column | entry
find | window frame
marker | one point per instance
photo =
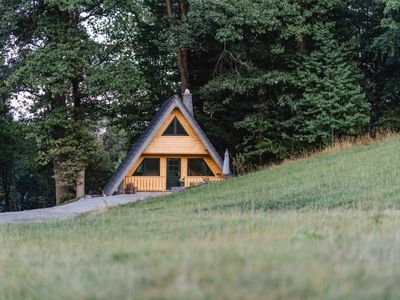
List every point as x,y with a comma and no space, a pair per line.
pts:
175,121
205,163
143,162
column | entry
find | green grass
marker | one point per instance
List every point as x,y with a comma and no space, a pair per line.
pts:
320,228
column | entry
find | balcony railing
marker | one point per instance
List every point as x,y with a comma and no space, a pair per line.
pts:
147,183
197,180
159,184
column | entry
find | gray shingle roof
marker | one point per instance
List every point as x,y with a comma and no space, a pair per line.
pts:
145,138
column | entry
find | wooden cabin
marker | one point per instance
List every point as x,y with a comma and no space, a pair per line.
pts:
173,151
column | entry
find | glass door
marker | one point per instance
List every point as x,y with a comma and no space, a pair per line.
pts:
173,172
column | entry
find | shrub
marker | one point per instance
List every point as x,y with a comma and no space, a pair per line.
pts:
66,197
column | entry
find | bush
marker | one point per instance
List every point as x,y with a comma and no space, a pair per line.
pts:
66,198
130,189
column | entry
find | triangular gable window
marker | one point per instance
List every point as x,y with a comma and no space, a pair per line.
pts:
175,128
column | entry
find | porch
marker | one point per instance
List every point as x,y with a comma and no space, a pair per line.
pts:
159,183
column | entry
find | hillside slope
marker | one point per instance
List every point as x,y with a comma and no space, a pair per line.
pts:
324,227
363,177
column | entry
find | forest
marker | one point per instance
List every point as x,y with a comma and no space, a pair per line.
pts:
271,79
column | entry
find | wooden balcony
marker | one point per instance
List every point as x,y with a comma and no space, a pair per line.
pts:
197,180
159,183
147,183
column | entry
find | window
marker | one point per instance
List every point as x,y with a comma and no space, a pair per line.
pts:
148,167
198,167
175,128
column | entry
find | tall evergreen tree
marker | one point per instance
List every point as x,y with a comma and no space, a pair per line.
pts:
53,71
246,45
332,104
59,67
386,48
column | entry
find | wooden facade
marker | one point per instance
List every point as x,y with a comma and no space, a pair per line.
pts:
159,183
172,151
179,147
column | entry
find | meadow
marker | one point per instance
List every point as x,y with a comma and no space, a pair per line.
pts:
324,227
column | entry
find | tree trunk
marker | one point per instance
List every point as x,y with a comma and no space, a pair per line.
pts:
61,186
182,65
302,45
80,184
181,53
6,184
78,117
58,101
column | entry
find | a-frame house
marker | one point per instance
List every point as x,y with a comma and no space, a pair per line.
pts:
172,151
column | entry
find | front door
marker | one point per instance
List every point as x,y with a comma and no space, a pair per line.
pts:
173,172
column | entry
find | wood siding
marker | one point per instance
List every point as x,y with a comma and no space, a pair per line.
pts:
176,144
163,163
182,147
158,183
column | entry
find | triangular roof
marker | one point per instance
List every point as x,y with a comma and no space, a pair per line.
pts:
148,134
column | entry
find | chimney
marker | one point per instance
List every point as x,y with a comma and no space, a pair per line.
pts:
187,101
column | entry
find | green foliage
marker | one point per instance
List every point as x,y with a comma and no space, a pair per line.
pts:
9,141
72,150
66,198
54,72
73,79
386,47
332,104
274,103
389,41
270,78
112,147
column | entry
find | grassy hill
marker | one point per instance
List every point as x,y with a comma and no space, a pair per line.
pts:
324,227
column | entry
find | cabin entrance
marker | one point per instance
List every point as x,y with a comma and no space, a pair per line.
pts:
173,172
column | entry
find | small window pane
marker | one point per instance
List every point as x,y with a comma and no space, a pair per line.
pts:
179,128
198,167
140,170
175,128
148,167
170,129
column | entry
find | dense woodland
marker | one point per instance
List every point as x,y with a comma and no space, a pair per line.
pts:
270,79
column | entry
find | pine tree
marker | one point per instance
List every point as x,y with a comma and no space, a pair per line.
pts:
57,64
386,48
332,104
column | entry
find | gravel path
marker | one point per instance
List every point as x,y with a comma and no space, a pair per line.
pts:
73,209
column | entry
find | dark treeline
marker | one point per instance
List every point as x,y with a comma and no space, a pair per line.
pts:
270,79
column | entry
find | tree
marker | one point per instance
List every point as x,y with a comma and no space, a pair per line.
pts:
177,27
144,71
332,104
8,139
248,44
389,41
386,48
57,56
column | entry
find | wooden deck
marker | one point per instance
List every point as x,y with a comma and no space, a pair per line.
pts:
159,183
